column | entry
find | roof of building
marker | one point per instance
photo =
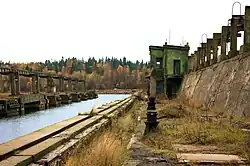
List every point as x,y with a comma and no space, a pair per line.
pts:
155,47
186,47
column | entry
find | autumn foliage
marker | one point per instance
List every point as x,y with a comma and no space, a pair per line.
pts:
103,73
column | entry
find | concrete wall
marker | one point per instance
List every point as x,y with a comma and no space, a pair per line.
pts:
173,54
224,86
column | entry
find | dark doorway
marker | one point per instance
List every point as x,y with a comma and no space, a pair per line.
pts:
169,90
177,67
159,87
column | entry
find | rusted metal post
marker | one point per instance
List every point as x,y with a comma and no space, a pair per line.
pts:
151,122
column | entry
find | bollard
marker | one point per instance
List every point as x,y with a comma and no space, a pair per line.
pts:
151,122
151,103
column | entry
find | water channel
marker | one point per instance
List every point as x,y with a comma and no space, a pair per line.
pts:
14,127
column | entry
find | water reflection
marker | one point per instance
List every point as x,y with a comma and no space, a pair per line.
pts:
14,127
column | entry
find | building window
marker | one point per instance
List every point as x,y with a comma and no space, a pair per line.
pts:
177,67
159,63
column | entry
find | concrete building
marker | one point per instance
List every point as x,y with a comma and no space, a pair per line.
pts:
169,64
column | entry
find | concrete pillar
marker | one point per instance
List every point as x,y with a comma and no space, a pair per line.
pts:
73,82
35,84
216,43
209,48
197,58
152,86
50,85
69,85
190,63
61,84
17,83
246,46
203,53
1,84
12,84
201,63
84,86
233,37
224,39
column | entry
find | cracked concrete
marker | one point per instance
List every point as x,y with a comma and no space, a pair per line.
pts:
142,155
224,86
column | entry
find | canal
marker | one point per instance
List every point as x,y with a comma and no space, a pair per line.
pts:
14,127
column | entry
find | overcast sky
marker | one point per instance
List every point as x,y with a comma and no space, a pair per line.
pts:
32,30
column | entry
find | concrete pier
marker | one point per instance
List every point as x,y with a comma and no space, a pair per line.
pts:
76,97
38,147
70,90
66,98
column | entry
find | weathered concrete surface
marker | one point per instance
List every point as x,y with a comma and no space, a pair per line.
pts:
26,140
58,155
208,158
192,148
16,160
42,148
70,126
224,86
64,135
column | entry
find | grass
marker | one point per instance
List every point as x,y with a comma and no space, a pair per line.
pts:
110,146
181,123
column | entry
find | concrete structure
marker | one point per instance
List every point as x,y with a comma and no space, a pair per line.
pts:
225,84
41,146
208,54
170,64
18,103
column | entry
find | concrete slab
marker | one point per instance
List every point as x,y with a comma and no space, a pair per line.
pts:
112,109
16,160
39,150
246,130
208,158
25,141
192,148
73,131
61,150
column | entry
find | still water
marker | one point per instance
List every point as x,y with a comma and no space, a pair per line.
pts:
14,127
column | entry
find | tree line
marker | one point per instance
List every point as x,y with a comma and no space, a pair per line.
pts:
102,73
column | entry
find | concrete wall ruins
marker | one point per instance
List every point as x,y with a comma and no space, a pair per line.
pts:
222,80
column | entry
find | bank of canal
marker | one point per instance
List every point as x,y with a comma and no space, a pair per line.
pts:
14,127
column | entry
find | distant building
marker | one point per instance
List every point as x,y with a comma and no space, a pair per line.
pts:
169,64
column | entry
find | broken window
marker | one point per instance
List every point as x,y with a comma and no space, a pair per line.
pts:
159,63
